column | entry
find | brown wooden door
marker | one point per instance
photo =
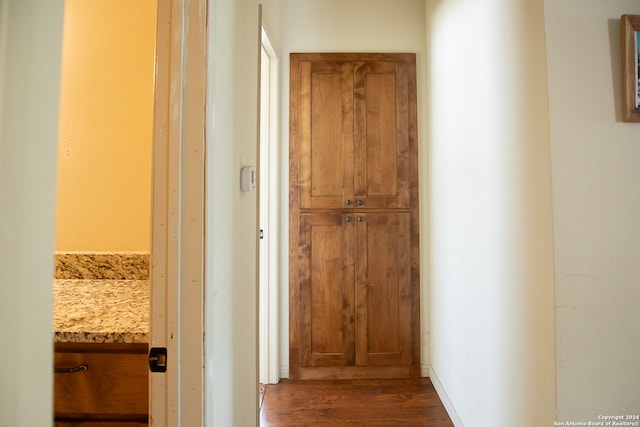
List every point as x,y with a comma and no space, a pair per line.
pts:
325,99
354,265
326,301
355,124
384,303
382,134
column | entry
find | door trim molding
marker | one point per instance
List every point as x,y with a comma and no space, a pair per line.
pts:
178,196
268,292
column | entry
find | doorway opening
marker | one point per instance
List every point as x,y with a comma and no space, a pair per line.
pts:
101,284
268,214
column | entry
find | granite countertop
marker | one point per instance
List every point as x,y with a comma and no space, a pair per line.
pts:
101,311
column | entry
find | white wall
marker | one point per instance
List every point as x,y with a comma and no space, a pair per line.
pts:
231,392
30,52
350,26
596,212
492,288
271,22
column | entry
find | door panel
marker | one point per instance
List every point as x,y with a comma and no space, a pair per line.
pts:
326,147
381,135
383,289
326,289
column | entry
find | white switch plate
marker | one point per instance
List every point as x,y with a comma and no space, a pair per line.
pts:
248,178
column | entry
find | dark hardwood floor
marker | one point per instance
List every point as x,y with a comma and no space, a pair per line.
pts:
372,403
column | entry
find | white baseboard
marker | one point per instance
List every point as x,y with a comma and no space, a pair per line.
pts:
284,372
444,398
425,370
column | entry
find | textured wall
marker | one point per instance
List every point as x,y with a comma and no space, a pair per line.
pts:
106,126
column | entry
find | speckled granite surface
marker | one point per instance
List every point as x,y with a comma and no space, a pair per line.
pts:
109,311
96,265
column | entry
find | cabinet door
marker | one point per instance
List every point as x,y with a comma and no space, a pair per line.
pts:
353,133
326,290
112,385
323,99
385,303
385,162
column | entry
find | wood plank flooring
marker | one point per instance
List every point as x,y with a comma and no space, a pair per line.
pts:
372,403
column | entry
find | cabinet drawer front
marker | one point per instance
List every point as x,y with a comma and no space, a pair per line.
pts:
114,384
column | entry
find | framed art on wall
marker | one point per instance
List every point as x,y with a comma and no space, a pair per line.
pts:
630,31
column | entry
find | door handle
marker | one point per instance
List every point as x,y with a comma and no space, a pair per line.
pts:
348,219
360,202
348,202
79,368
360,219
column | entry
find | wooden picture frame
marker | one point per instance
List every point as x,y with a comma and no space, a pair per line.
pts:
630,32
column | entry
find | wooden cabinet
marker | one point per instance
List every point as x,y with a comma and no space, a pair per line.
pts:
355,289
354,130
101,385
354,265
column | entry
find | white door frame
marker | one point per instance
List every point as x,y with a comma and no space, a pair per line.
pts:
269,370
178,197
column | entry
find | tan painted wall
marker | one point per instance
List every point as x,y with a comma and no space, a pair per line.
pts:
106,113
